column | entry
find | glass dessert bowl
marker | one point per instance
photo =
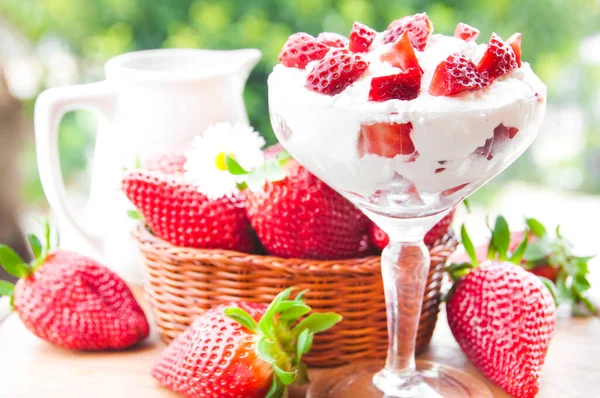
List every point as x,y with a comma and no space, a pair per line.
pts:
405,124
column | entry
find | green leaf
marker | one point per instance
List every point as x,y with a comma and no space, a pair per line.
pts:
294,312
134,215
36,246
536,227
457,271
563,293
305,340
317,322
47,233
467,205
13,263
300,296
537,250
234,167
581,283
286,378
501,237
6,288
551,287
242,317
267,322
519,252
283,156
274,171
256,179
468,244
277,389
138,161
558,234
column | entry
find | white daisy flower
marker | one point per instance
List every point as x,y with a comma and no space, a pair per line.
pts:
206,161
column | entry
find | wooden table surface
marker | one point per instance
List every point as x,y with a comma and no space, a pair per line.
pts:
33,368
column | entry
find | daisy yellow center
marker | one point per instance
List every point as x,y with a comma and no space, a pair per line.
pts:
220,161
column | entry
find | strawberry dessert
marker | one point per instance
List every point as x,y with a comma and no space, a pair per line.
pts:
405,118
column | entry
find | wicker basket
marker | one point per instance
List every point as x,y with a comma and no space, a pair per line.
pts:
181,283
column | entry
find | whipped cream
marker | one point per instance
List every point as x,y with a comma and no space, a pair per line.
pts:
322,131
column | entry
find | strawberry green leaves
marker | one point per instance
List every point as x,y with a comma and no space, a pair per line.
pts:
270,170
13,263
468,244
285,336
500,239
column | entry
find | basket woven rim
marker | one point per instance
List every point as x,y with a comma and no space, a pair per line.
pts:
367,264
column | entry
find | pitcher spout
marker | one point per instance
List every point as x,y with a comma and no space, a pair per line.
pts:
246,59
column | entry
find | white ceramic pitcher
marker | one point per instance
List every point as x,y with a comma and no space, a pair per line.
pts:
151,101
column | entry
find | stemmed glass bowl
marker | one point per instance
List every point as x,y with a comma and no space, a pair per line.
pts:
405,166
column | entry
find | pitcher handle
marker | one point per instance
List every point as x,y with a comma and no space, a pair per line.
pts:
50,107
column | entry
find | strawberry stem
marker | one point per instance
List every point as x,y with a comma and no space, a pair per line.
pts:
284,338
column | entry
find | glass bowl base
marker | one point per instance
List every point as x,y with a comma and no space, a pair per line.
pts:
356,381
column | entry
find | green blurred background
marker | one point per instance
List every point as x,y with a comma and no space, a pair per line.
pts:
63,42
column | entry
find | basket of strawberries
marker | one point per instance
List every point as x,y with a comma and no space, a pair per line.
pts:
228,222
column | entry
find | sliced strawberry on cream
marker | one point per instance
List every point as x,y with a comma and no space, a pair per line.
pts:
386,139
499,58
401,54
515,43
361,38
418,26
466,32
455,75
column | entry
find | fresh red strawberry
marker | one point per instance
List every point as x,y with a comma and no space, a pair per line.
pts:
503,319
385,139
242,350
401,54
178,213
418,26
455,75
332,39
361,37
403,86
515,43
336,71
299,216
170,163
466,32
381,240
491,146
300,49
499,58
72,301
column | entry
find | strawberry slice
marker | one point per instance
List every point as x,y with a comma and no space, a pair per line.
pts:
466,32
402,86
401,54
300,49
332,39
361,38
515,43
385,139
455,75
418,26
499,58
336,71
491,145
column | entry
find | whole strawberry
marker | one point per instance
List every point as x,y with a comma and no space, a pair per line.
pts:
243,350
72,301
296,215
502,316
380,239
177,212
